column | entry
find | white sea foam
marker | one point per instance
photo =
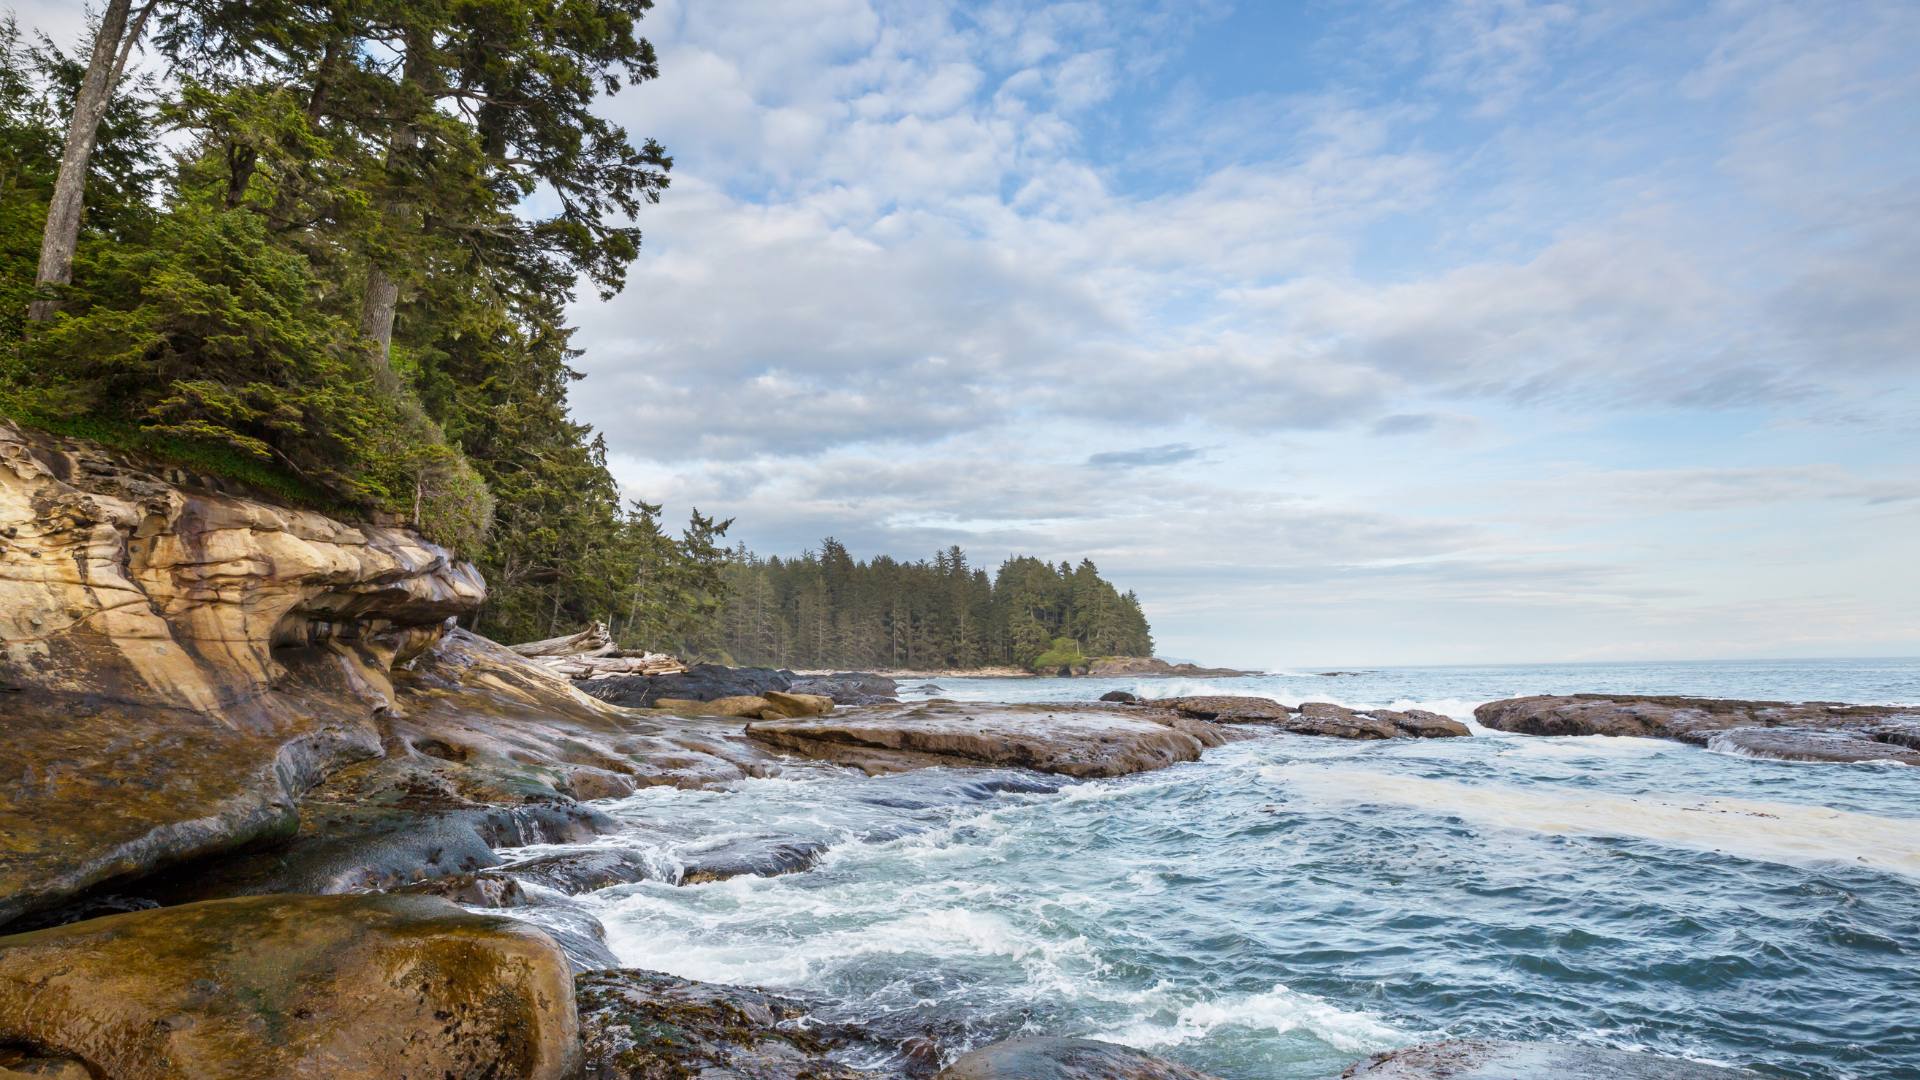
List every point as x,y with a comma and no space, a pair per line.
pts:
1279,1010
1788,833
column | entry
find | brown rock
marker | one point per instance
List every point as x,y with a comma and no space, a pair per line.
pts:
740,706
785,706
294,987
1422,724
1226,709
1082,741
1339,722
1809,731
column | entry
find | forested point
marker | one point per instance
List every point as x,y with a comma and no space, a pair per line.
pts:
827,610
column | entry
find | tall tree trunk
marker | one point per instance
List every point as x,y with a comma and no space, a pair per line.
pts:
111,47
378,306
382,299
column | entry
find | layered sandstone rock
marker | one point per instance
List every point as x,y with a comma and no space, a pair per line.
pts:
187,671
335,987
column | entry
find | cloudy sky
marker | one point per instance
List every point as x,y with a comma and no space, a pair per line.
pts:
1422,332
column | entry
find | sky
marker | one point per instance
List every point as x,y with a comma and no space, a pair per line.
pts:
1458,331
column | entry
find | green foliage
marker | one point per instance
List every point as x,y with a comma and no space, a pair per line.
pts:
825,609
1063,653
216,313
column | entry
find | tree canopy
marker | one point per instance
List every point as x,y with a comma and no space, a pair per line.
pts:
331,283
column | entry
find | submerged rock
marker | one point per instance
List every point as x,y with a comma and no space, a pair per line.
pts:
757,857
1064,1059
1810,731
1080,741
1475,1060
638,1025
335,987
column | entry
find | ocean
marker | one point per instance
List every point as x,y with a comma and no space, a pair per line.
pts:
1288,904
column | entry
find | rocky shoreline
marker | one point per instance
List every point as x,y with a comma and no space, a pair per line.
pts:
257,787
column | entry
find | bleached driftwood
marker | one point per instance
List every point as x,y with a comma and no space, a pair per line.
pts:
591,654
595,640
595,667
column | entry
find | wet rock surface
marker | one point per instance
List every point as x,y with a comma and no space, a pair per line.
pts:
1080,741
1225,708
849,688
1064,1059
757,857
1808,731
1474,1060
1316,718
638,1025
344,987
701,682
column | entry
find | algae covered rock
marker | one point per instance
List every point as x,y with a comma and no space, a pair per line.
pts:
1485,1060
1042,1058
294,987
638,1025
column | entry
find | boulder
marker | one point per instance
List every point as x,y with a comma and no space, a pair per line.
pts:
739,706
1121,697
1808,731
295,987
849,688
786,706
1039,1058
1339,722
1421,724
1080,741
638,1025
1476,1060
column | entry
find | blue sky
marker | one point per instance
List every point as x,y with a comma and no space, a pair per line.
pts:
1346,334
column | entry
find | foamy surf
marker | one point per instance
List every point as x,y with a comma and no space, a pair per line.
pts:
1789,833
1280,1011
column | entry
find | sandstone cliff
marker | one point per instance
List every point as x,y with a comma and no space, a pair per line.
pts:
181,663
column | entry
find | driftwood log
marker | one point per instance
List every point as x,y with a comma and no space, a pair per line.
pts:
591,654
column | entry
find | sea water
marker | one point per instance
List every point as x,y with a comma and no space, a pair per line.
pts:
1289,904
